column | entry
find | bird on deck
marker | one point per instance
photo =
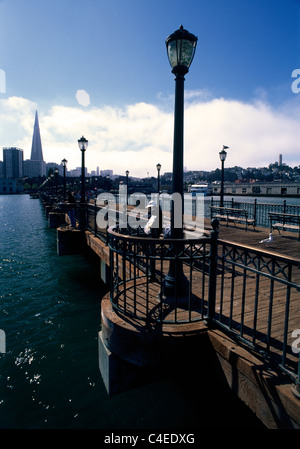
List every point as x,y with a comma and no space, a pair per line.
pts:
268,240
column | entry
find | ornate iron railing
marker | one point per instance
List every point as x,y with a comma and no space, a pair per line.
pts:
259,211
258,301
251,294
139,266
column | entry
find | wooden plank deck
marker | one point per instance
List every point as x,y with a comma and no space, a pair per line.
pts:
286,243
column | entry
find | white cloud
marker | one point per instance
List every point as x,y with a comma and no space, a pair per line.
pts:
140,135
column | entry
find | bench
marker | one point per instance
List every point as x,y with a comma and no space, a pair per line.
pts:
284,222
232,215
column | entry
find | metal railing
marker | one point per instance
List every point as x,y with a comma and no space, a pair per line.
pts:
259,211
258,301
251,294
138,267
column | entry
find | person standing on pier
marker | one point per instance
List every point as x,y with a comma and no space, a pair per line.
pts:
71,213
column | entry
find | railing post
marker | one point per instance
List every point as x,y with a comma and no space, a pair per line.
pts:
95,217
254,212
212,272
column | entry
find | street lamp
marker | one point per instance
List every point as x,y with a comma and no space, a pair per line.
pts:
158,167
64,163
82,143
127,173
181,46
56,179
222,155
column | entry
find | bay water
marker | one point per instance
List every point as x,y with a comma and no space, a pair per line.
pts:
49,372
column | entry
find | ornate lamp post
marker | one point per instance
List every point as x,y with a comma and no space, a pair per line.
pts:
181,46
222,155
64,163
158,167
127,173
56,179
83,144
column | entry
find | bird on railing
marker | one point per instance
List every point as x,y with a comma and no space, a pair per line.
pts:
268,240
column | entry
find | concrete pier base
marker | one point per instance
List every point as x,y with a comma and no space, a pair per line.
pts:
118,375
131,353
56,219
48,209
70,241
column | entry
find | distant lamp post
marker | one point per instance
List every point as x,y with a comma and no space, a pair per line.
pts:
127,173
52,182
56,179
83,144
222,155
158,167
181,46
64,163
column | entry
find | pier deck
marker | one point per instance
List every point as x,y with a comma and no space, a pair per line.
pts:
248,372
285,244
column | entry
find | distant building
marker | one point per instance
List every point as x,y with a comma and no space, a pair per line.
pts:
52,166
36,166
9,186
76,172
280,159
259,188
12,163
105,173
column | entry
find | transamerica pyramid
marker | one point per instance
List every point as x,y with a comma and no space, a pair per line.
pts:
35,166
36,148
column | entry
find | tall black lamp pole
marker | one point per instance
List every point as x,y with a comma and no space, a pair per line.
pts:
222,155
56,179
181,46
158,167
64,163
83,144
127,173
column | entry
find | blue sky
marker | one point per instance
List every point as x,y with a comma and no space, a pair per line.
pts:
238,91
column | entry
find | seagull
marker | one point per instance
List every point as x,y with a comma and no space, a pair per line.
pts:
268,240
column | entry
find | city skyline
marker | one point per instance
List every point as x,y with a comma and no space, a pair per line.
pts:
101,70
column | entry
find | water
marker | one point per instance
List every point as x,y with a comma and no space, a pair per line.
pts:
49,375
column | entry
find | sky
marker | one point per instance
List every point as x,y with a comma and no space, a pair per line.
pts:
99,68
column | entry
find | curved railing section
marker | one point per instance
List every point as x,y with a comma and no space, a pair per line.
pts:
159,280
